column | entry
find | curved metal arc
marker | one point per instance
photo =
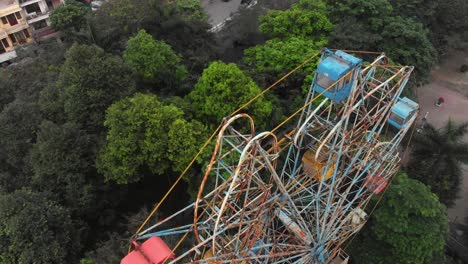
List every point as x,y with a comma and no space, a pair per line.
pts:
242,159
212,161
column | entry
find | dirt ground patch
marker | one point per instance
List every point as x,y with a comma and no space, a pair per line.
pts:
448,82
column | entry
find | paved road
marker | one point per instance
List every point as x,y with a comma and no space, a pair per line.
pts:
219,10
452,85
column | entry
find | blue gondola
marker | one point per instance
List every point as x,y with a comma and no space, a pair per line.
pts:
402,112
332,67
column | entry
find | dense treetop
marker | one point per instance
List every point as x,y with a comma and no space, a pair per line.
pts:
35,229
145,132
223,88
154,61
409,226
437,157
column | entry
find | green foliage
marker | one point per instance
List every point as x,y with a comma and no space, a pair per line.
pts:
425,11
299,33
446,20
145,133
154,60
25,80
223,88
181,24
20,117
436,159
409,226
6,88
62,158
407,42
90,80
186,32
372,25
449,26
278,57
19,122
358,23
115,21
70,15
371,12
307,19
86,261
35,230
191,10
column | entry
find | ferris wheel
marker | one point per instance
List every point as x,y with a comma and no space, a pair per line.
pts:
298,198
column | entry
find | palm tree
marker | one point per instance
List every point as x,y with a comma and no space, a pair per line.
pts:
437,157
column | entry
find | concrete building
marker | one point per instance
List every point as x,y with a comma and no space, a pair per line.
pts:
37,15
14,29
23,21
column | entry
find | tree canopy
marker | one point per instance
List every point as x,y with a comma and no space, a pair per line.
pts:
154,61
143,132
307,19
223,88
409,226
90,80
298,33
65,176
407,42
70,15
372,25
277,57
436,159
35,229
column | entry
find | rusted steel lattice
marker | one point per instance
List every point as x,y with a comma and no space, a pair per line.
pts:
297,199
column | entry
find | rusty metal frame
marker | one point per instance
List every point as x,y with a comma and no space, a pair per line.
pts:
257,204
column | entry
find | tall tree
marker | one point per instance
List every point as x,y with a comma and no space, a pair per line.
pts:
115,21
298,33
184,26
181,24
155,61
409,226
423,11
71,15
191,10
19,121
63,163
358,23
34,229
277,57
90,81
372,25
143,133
437,156
223,88
71,19
307,19
449,25
407,42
